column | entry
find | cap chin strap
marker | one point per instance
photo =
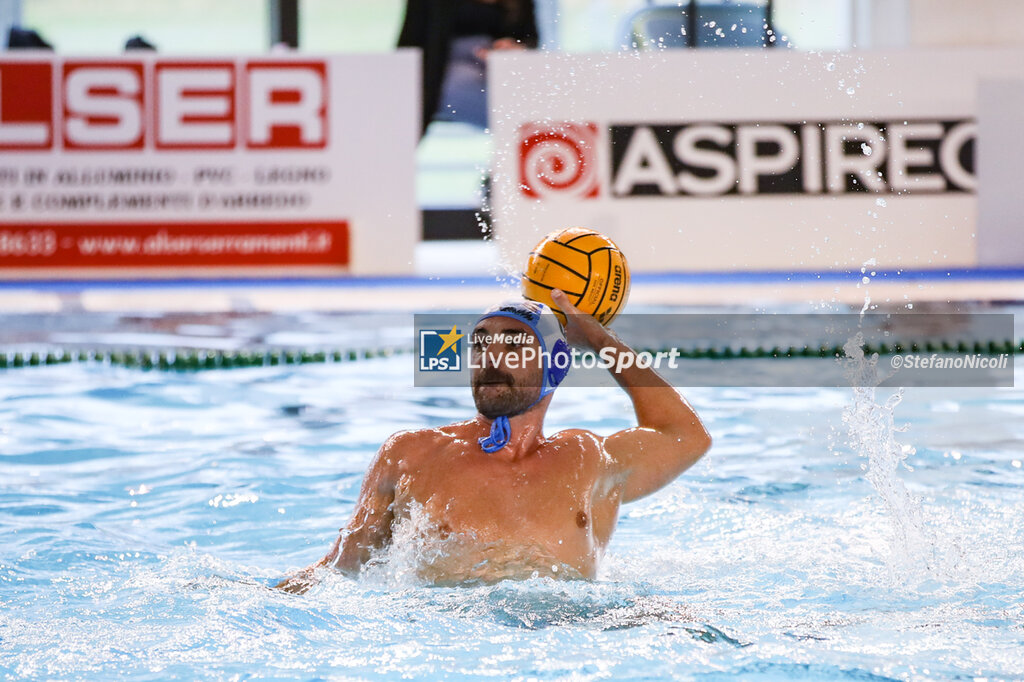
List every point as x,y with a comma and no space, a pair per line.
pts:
501,431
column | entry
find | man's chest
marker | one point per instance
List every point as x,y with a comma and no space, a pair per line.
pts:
501,499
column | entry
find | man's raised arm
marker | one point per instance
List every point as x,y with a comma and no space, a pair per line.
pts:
369,529
669,437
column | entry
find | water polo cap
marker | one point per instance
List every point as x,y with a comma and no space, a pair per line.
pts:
556,357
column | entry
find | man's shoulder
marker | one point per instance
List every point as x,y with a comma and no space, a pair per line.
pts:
582,438
582,447
417,438
409,451
401,440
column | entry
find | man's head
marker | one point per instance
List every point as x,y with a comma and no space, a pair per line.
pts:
519,356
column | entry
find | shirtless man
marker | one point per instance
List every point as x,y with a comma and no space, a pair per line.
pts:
495,496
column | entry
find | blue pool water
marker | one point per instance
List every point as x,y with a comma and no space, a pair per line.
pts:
143,516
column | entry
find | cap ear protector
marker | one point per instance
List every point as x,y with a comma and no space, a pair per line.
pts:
561,360
555,353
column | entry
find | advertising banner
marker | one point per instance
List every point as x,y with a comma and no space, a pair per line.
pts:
1000,169
731,160
162,166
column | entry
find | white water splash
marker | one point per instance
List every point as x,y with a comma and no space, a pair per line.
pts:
416,542
866,280
425,552
915,547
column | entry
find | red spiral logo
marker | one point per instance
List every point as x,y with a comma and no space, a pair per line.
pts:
558,159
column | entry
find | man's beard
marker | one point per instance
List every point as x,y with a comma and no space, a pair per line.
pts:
508,400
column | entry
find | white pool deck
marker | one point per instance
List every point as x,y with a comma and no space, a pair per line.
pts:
462,275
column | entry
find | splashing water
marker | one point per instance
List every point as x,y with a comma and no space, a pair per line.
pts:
872,431
417,543
424,552
866,280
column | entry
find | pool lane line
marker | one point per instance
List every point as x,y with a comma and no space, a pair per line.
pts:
669,277
192,360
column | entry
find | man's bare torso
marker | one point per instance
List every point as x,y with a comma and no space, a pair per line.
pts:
550,512
533,505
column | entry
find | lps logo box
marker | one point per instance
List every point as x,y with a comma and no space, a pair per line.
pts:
440,350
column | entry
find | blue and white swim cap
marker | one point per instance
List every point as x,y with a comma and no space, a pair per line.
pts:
556,356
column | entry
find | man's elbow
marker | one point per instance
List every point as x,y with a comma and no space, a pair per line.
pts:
695,445
703,443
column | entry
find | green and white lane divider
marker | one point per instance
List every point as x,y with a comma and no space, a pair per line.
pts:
193,360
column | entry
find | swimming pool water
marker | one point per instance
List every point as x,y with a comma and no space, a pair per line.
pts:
143,516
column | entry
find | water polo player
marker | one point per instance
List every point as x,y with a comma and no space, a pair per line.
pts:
493,498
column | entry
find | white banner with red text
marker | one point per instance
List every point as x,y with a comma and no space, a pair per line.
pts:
166,167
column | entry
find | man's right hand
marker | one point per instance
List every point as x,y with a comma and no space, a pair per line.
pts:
581,330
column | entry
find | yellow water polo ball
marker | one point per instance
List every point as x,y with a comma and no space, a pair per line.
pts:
586,265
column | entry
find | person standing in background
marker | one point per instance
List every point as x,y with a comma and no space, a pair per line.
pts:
455,37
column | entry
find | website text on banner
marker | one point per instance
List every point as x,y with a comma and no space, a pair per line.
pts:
739,161
145,166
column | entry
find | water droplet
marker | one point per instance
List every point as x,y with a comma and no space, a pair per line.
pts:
850,91
831,66
865,280
880,202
